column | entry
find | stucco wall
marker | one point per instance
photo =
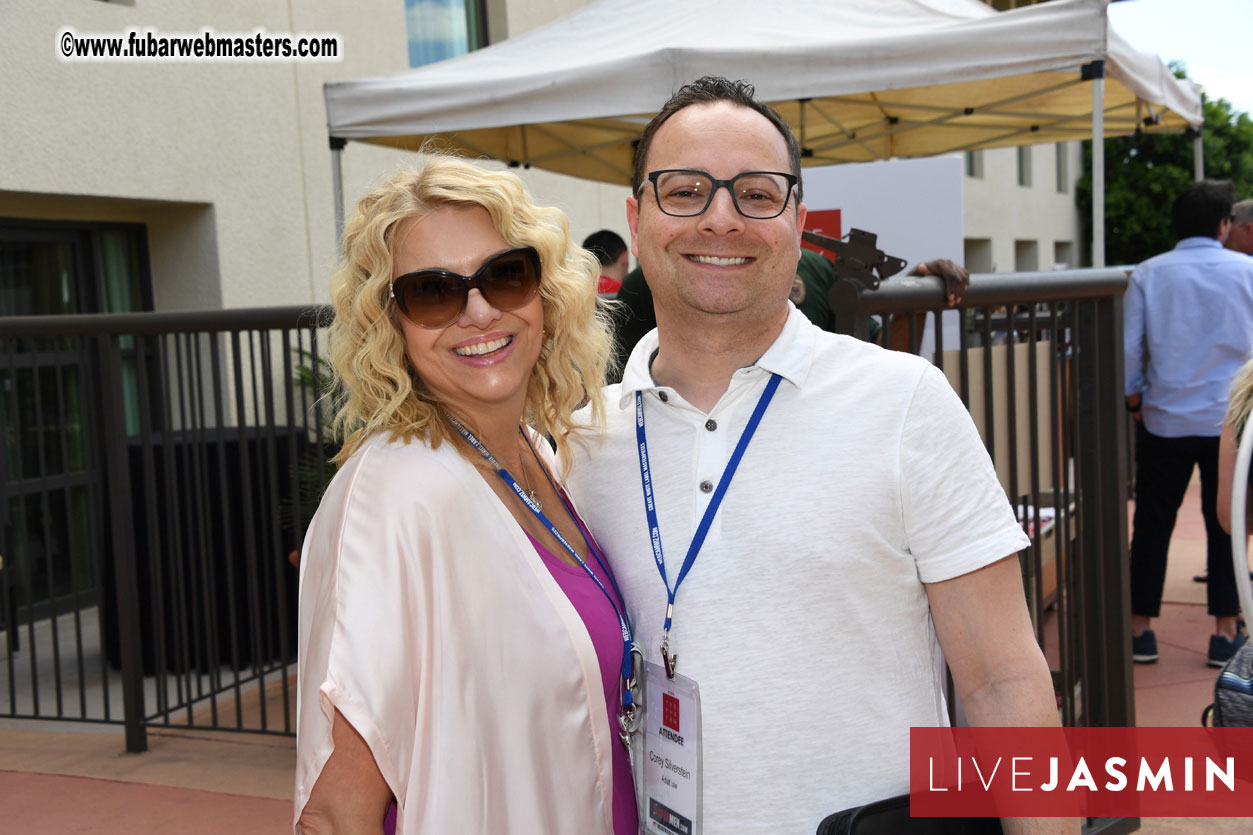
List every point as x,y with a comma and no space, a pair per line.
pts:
227,163
997,208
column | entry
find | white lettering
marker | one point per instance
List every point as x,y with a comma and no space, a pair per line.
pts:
1081,777
1187,774
1161,777
1113,767
1228,775
1015,773
1052,783
931,774
987,784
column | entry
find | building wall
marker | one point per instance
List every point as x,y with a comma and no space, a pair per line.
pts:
1004,222
227,163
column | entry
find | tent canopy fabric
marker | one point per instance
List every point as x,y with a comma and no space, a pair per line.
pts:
858,80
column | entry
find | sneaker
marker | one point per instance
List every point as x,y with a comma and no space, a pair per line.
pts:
1144,647
1221,648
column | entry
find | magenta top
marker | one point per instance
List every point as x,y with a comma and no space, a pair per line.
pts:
602,626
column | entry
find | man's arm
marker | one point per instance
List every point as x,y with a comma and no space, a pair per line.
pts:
999,673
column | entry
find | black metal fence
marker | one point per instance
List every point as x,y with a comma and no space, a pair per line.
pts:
1038,360
160,469
159,472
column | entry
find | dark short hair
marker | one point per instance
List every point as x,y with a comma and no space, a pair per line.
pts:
1199,209
606,245
708,90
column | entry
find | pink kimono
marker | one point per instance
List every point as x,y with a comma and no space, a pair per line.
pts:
429,620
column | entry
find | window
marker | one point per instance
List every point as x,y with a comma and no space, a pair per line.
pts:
1063,167
1026,256
1063,255
440,29
978,255
49,453
974,164
1024,165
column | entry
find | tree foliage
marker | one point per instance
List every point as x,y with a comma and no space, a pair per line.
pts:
1144,173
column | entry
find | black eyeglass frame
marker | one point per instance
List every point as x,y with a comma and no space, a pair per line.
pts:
715,184
472,282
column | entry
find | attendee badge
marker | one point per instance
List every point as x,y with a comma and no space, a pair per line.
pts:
670,756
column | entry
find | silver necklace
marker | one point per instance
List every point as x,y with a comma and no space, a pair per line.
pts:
530,493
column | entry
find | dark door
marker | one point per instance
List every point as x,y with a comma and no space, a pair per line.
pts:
50,500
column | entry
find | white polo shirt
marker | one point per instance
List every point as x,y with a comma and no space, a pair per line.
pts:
803,619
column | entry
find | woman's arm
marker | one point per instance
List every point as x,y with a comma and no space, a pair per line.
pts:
350,796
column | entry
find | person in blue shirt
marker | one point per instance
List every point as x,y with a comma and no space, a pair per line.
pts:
1189,327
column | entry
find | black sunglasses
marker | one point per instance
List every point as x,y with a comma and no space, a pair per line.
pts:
437,298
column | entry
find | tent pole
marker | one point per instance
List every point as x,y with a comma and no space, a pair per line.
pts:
1198,157
1096,71
337,187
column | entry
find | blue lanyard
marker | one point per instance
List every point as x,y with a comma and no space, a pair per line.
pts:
619,607
702,530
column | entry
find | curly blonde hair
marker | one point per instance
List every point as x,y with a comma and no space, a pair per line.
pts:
1240,401
378,388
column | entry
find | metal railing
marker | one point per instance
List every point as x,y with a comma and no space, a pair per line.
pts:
198,454
160,468
1038,360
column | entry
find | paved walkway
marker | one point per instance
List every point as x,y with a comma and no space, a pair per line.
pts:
56,778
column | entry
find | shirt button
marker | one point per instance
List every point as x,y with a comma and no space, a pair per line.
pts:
711,424
706,486
663,397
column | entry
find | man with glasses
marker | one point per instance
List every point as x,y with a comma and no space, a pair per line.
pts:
820,513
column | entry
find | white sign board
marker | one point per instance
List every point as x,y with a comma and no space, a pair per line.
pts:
913,205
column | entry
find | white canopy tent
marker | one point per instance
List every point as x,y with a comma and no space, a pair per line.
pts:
858,80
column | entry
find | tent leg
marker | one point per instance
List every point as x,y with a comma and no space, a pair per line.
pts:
1198,157
1098,171
337,186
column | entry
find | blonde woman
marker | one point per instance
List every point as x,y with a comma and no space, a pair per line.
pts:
1239,405
463,646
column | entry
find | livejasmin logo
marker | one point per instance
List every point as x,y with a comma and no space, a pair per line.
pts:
1076,772
1021,775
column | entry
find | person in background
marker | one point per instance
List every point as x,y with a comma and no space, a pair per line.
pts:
462,641
611,251
1188,328
1240,238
